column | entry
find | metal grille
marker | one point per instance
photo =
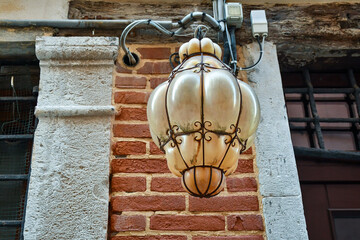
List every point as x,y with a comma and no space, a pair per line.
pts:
18,95
324,112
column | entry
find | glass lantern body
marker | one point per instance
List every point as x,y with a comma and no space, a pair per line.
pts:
203,116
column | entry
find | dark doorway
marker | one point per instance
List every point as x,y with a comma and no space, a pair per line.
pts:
331,193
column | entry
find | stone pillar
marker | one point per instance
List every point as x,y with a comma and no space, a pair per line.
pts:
69,189
278,177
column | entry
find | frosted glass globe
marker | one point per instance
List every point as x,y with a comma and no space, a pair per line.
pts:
203,118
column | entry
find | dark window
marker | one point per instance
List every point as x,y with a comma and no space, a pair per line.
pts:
323,111
346,223
18,95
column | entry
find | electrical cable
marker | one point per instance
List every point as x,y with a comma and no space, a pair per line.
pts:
229,44
261,46
126,31
203,29
182,24
233,58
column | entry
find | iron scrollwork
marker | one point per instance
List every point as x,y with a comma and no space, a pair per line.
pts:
202,128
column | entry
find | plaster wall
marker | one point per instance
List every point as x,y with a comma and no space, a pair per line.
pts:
39,9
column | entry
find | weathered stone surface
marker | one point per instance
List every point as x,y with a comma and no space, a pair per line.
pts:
278,178
74,72
80,9
69,189
77,48
43,9
275,157
283,218
305,32
68,111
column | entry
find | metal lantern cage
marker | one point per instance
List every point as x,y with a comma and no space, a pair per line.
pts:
190,145
203,117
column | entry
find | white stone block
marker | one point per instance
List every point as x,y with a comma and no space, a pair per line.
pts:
284,219
69,189
274,151
278,177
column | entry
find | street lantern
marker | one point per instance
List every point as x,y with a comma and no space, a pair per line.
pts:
203,118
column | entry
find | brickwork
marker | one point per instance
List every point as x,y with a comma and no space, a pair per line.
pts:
147,201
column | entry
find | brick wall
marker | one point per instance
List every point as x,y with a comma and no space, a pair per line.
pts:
147,201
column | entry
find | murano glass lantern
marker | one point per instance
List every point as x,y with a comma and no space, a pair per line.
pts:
203,117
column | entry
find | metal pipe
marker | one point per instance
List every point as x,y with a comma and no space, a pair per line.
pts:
356,92
215,9
315,114
328,120
188,19
326,129
16,137
13,99
11,177
182,24
75,23
319,90
137,23
10,223
221,13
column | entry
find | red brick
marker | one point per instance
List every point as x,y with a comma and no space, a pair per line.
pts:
147,237
130,82
154,53
187,223
129,148
131,114
154,82
247,184
222,204
248,237
121,69
131,130
154,149
166,184
245,166
131,97
155,68
128,184
121,223
148,203
139,166
245,222
249,151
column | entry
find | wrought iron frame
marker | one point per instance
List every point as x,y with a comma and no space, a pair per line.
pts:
312,119
206,194
202,127
26,136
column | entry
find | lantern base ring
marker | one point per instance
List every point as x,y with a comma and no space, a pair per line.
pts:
203,181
